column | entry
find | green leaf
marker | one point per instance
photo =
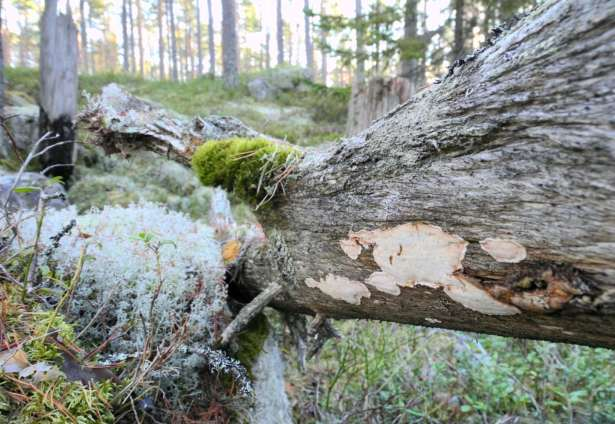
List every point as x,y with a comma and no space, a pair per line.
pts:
25,189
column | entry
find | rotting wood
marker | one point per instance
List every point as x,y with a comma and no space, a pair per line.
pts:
248,312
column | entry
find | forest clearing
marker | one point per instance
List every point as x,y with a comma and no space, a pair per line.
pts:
291,211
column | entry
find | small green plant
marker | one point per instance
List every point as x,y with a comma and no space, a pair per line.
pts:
252,169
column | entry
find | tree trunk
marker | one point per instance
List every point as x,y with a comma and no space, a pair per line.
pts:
161,49
173,42
140,34
459,32
373,100
84,36
199,39
486,203
210,40
309,46
410,68
230,46
323,52
268,50
133,56
280,32
58,87
125,42
360,72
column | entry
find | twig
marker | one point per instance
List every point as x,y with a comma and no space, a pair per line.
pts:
248,312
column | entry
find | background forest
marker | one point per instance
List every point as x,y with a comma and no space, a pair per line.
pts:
296,70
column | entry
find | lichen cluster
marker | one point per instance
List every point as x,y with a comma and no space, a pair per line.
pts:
150,272
252,169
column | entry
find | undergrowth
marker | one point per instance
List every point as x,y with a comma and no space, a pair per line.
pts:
392,373
309,117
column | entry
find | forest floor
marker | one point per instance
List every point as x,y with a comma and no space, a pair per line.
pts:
385,372
317,114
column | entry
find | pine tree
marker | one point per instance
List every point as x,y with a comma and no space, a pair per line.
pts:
161,49
309,46
280,32
210,40
230,44
199,38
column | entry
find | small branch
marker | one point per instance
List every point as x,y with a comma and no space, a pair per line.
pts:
248,312
319,331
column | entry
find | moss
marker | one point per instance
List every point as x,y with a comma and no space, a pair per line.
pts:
250,342
245,167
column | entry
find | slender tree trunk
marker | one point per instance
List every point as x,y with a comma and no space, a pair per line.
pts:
133,56
360,72
189,54
410,66
230,44
161,48
458,47
199,39
125,41
309,46
323,52
140,33
268,50
92,52
58,87
173,42
84,36
280,32
211,46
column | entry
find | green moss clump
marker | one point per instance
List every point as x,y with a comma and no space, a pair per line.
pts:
250,342
245,167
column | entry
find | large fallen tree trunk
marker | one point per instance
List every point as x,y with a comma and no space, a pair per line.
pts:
486,203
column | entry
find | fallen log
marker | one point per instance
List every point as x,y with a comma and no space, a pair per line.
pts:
486,203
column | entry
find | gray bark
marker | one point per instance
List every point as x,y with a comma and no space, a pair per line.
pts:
161,48
174,71
323,53
140,34
230,46
268,51
199,39
360,72
210,40
459,40
374,99
516,144
410,68
58,86
309,46
84,35
133,56
125,42
280,32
